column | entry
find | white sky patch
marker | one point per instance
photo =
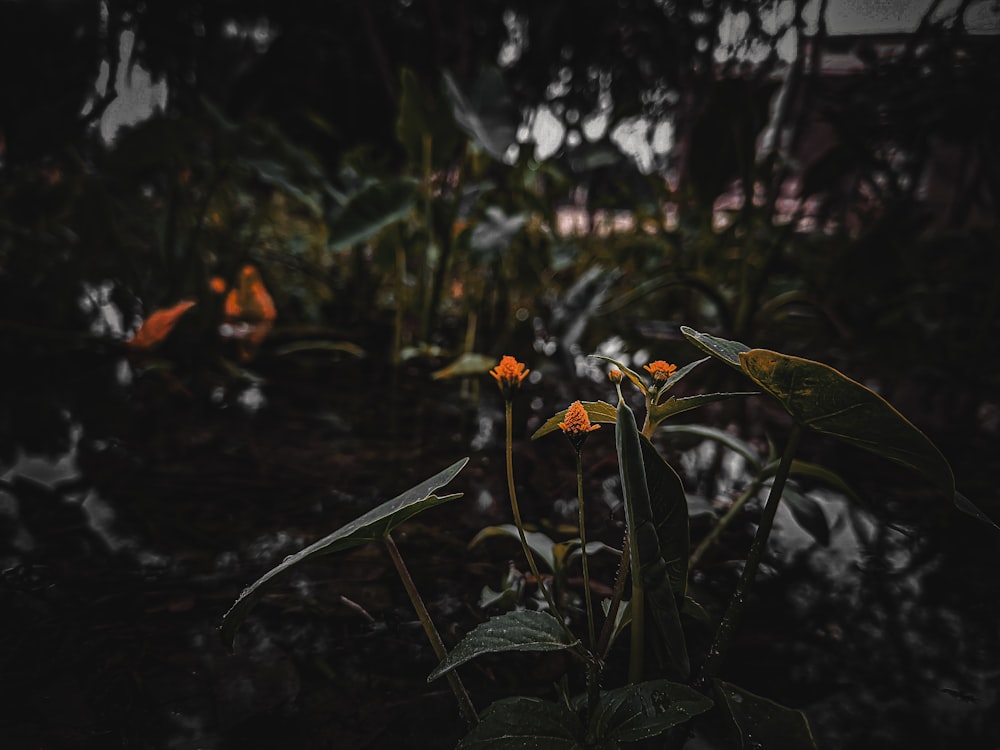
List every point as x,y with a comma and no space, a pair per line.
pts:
138,98
548,132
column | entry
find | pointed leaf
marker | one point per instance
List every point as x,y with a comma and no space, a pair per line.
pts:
522,723
678,375
820,397
762,722
673,406
597,411
487,114
668,504
372,526
526,630
540,544
370,210
466,365
965,505
724,349
644,539
632,375
646,709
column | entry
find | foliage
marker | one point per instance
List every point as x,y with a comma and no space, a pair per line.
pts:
683,686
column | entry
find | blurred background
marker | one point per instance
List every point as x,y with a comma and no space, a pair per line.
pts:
255,257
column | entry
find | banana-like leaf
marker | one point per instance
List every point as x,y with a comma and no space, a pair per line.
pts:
669,513
370,210
723,349
372,526
597,411
526,630
826,400
644,539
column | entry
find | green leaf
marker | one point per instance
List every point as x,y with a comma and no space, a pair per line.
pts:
487,113
673,406
724,349
597,411
645,709
370,527
669,513
646,555
820,397
762,722
526,630
726,439
466,365
525,724
678,375
632,375
540,544
370,210
422,115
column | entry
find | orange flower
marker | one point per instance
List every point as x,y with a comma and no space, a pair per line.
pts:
217,285
577,425
158,326
660,370
509,375
615,375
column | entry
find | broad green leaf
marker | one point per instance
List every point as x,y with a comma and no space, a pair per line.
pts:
646,556
726,439
526,630
646,709
466,365
370,527
541,545
673,406
820,397
668,504
724,349
762,722
522,723
486,113
370,210
597,411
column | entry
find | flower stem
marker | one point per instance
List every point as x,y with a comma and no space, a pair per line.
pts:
515,509
465,706
592,639
717,652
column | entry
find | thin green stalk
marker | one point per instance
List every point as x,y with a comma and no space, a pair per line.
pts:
592,639
516,510
717,652
723,523
465,706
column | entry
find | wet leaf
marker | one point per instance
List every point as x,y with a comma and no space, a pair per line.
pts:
522,723
372,526
526,630
158,326
370,210
723,349
820,397
597,411
646,709
762,723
